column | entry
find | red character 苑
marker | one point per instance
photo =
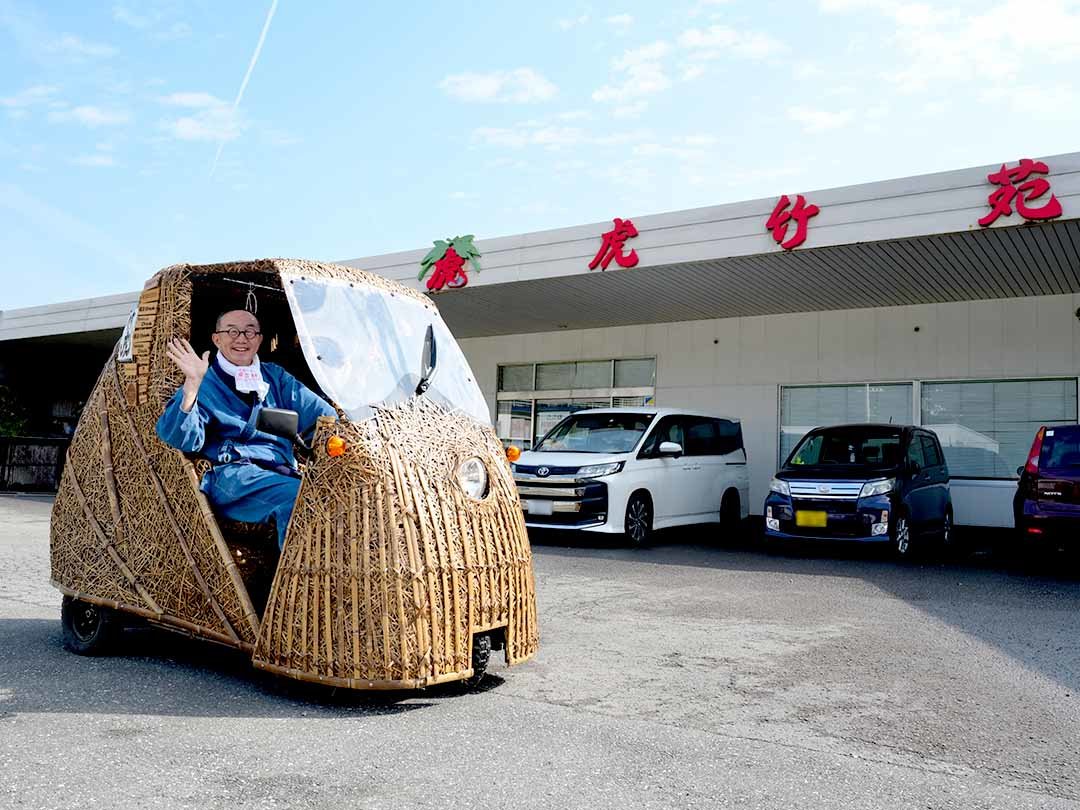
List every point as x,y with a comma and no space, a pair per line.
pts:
1001,199
781,216
614,244
449,272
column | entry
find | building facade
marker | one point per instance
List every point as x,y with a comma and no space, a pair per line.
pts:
949,300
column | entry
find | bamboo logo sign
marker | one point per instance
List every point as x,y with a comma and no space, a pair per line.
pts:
446,262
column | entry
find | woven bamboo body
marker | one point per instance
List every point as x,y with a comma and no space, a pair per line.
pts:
388,567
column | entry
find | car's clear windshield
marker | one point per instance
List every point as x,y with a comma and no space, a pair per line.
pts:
596,433
365,347
868,447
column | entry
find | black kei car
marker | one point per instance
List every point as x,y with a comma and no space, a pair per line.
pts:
863,483
1047,503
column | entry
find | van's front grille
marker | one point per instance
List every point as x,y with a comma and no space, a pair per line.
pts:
570,502
825,490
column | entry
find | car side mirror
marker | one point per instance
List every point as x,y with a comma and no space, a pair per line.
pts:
279,422
1020,470
671,449
428,361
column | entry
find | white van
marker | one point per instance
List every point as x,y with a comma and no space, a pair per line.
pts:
633,470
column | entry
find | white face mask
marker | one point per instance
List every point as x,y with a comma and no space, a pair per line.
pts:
249,379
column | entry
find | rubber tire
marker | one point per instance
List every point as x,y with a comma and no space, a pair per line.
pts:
88,629
481,655
730,516
642,535
902,524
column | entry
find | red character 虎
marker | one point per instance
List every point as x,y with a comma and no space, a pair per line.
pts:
614,244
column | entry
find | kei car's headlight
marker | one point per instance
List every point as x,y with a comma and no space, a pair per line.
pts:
472,477
780,487
883,487
597,470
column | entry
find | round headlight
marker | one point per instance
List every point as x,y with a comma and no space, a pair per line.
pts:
472,477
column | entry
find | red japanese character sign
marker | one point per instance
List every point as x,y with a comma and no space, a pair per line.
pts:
614,245
1002,199
781,217
447,261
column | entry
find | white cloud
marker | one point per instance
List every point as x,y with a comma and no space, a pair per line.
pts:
190,99
804,71
520,86
816,121
91,116
71,45
537,133
94,161
631,110
620,20
210,119
721,39
691,72
567,23
642,75
31,96
128,17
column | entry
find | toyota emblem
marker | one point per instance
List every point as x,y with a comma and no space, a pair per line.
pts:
824,489
543,472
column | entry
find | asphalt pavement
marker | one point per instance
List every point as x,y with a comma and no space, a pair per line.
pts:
692,674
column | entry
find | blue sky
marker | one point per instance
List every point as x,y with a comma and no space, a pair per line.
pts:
126,145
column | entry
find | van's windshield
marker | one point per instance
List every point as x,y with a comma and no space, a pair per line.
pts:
851,446
365,347
596,433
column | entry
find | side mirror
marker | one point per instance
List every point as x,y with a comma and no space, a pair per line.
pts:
671,449
1020,471
279,422
429,359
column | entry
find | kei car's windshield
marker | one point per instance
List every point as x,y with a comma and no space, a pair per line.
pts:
869,446
596,433
365,347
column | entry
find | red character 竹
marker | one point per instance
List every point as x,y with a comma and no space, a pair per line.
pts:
780,217
614,244
1002,199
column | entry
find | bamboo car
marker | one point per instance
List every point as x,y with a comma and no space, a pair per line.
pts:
392,574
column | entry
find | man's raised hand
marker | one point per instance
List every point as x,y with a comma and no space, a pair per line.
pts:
193,366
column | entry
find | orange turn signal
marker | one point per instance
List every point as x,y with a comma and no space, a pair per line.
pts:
513,453
335,446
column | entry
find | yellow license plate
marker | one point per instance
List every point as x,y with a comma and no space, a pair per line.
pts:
813,520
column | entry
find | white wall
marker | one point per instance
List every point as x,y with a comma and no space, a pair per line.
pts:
735,365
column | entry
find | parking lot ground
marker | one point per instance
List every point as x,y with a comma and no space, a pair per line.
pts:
690,674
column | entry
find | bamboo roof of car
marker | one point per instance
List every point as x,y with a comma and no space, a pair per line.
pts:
388,568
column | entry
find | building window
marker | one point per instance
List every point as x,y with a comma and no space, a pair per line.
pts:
803,408
534,397
986,428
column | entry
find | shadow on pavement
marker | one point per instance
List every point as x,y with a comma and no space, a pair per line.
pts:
158,672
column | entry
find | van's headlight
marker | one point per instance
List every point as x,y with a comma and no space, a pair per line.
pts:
597,470
871,488
780,487
473,479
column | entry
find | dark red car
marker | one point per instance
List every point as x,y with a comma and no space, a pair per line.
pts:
1047,504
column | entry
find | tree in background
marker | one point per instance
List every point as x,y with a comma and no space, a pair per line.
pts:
14,416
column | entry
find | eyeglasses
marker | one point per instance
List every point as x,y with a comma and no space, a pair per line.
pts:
234,333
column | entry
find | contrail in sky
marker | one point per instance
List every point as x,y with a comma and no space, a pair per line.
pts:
244,83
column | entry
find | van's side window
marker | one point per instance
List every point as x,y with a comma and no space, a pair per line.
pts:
930,451
730,434
669,429
915,452
701,437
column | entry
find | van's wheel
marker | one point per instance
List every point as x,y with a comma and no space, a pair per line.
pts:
902,536
638,523
729,515
88,629
481,654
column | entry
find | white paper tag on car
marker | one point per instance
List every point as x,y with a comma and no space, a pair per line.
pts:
539,507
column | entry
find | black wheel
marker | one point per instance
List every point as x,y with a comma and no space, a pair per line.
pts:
481,654
638,523
902,536
88,629
729,515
